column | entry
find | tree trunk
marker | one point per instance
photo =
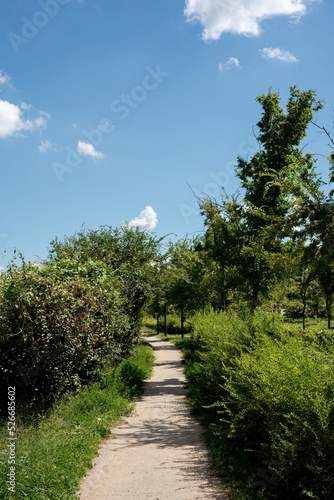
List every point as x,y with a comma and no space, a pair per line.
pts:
165,314
328,310
182,322
304,308
223,292
255,298
223,300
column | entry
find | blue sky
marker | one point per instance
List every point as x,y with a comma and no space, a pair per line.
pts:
120,111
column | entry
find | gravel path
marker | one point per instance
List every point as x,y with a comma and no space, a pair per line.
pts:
159,452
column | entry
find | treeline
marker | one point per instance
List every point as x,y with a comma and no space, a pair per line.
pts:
272,241
62,320
262,385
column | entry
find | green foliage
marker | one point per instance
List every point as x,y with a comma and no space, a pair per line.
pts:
54,451
248,238
265,390
189,274
280,400
61,320
223,242
174,326
130,254
129,375
58,325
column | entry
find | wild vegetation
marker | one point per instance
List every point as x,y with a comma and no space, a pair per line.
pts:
262,383
70,354
264,390
55,448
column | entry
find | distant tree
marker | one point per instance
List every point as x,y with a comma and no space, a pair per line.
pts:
189,274
223,241
321,230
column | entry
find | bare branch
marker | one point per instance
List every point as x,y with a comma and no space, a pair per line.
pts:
325,131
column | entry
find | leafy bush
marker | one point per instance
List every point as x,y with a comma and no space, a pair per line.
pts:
280,400
269,388
58,323
128,253
129,375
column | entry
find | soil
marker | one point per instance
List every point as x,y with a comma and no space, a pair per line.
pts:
159,452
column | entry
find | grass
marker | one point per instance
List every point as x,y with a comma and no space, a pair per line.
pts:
173,325
54,451
312,323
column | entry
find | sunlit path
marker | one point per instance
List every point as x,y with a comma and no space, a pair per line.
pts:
159,452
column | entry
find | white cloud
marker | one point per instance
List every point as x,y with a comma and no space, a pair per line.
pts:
46,145
25,106
281,55
146,220
12,120
233,62
5,79
87,149
239,16
40,122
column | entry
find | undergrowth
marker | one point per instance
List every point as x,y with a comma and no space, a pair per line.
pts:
54,450
265,392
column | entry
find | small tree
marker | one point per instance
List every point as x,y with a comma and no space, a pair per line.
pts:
223,239
188,288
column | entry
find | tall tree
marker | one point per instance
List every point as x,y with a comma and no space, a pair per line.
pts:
275,181
188,276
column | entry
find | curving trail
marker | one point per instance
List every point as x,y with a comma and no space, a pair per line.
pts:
159,452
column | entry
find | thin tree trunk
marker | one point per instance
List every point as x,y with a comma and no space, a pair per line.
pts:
182,322
165,314
255,298
328,310
223,299
223,292
304,308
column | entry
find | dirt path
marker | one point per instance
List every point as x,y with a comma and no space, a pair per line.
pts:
159,452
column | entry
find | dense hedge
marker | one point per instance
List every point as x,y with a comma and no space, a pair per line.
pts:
270,387
58,324
61,320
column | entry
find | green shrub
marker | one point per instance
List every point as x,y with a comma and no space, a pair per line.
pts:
129,375
266,389
57,325
280,400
